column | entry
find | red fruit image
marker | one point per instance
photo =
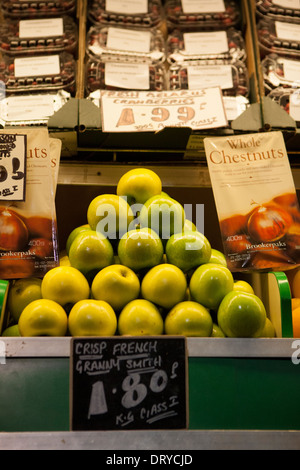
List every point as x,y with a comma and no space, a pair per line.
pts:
233,225
41,247
268,223
13,231
39,227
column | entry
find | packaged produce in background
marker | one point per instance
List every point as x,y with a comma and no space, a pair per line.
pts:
38,36
32,109
131,44
143,14
28,238
110,75
41,73
37,8
278,37
278,9
209,15
256,201
198,45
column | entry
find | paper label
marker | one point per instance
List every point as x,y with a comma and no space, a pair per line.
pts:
295,105
130,7
127,76
152,111
207,76
289,4
29,107
41,28
202,6
289,31
212,42
291,70
37,66
128,40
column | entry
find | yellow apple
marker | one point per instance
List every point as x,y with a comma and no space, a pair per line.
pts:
65,285
110,215
189,318
243,286
43,317
138,185
92,317
164,285
140,318
117,285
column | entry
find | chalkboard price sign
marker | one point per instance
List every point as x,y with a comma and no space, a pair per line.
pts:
128,383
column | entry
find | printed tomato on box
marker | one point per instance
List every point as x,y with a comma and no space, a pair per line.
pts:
256,201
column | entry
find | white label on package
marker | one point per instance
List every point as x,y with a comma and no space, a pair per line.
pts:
211,75
37,66
41,28
202,6
291,70
13,167
130,7
128,40
29,107
289,31
152,111
127,76
293,4
212,42
295,105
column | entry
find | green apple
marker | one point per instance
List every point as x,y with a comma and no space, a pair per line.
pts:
21,293
241,315
189,318
110,215
164,215
117,285
140,249
188,250
12,330
140,318
65,285
43,317
90,252
210,283
165,285
73,235
91,317
243,286
217,257
189,225
138,185
217,332
269,330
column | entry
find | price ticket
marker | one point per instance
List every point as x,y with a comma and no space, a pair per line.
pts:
134,111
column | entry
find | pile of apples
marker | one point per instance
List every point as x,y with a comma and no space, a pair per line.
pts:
137,267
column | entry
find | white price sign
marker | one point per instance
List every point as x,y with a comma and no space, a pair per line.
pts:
134,111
